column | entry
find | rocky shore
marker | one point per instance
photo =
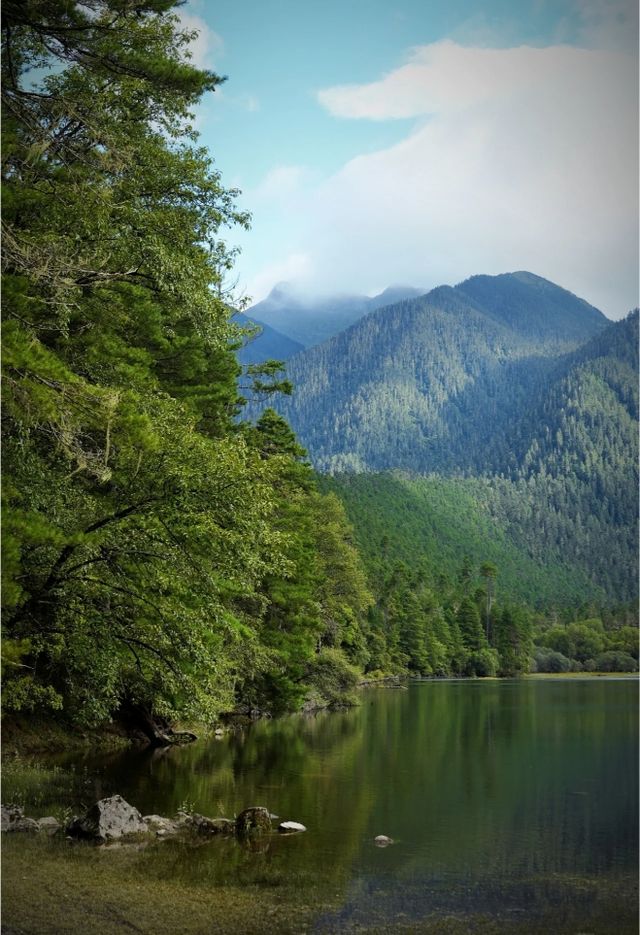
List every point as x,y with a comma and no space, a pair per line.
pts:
113,818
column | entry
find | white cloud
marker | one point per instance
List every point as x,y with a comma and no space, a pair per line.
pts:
296,267
520,158
208,46
281,183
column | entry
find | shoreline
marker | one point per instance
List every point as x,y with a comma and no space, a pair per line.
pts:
29,737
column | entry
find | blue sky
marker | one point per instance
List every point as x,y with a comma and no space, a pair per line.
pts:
421,141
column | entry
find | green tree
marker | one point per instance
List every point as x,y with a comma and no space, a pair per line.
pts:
512,639
468,620
142,522
489,572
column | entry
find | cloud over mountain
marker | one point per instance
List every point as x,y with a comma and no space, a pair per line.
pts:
515,157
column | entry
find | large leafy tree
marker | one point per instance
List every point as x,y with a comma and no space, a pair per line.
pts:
139,519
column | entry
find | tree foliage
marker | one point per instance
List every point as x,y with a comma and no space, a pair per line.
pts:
155,549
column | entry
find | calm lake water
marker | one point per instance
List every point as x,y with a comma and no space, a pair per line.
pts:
514,800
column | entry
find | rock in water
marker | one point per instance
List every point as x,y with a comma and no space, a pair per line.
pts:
382,840
107,820
289,827
253,820
160,825
203,825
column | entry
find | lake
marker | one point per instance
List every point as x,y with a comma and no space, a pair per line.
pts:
514,803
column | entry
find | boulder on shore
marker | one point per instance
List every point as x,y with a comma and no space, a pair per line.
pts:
49,825
254,820
161,825
107,820
12,819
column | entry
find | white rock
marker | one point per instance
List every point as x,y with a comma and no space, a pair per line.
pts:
287,827
109,819
382,840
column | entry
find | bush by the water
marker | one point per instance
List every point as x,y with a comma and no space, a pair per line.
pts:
612,661
549,660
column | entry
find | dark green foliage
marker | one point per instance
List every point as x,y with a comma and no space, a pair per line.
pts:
612,661
548,660
512,637
581,640
159,556
468,620
507,379
587,644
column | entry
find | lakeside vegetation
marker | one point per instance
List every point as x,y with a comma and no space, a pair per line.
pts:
165,557
162,558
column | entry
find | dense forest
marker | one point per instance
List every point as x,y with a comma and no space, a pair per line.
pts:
311,320
161,557
527,405
168,551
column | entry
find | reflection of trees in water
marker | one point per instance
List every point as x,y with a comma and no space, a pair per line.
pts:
482,778
510,778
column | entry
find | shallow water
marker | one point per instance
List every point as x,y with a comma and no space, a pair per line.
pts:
514,801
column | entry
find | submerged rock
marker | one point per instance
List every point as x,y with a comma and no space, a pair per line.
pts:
382,840
203,825
107,820
254,820
290,827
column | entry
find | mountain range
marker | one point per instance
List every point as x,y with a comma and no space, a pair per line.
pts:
509,380
310,320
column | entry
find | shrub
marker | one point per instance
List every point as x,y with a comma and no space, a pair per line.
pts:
549,660
483,663
333,677
615,661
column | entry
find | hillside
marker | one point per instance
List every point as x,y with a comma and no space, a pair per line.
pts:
267,344
538,410
532,305
312,321
435,522
429,383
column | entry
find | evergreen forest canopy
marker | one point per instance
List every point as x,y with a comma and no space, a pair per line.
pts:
164,555
162,558
519,402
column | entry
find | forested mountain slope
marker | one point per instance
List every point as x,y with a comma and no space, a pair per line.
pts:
533,306
435,522
442,384
265,343
569,486
429,383
311,321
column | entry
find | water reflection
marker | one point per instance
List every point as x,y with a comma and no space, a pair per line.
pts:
503,797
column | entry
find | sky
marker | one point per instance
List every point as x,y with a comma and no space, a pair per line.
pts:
419,142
